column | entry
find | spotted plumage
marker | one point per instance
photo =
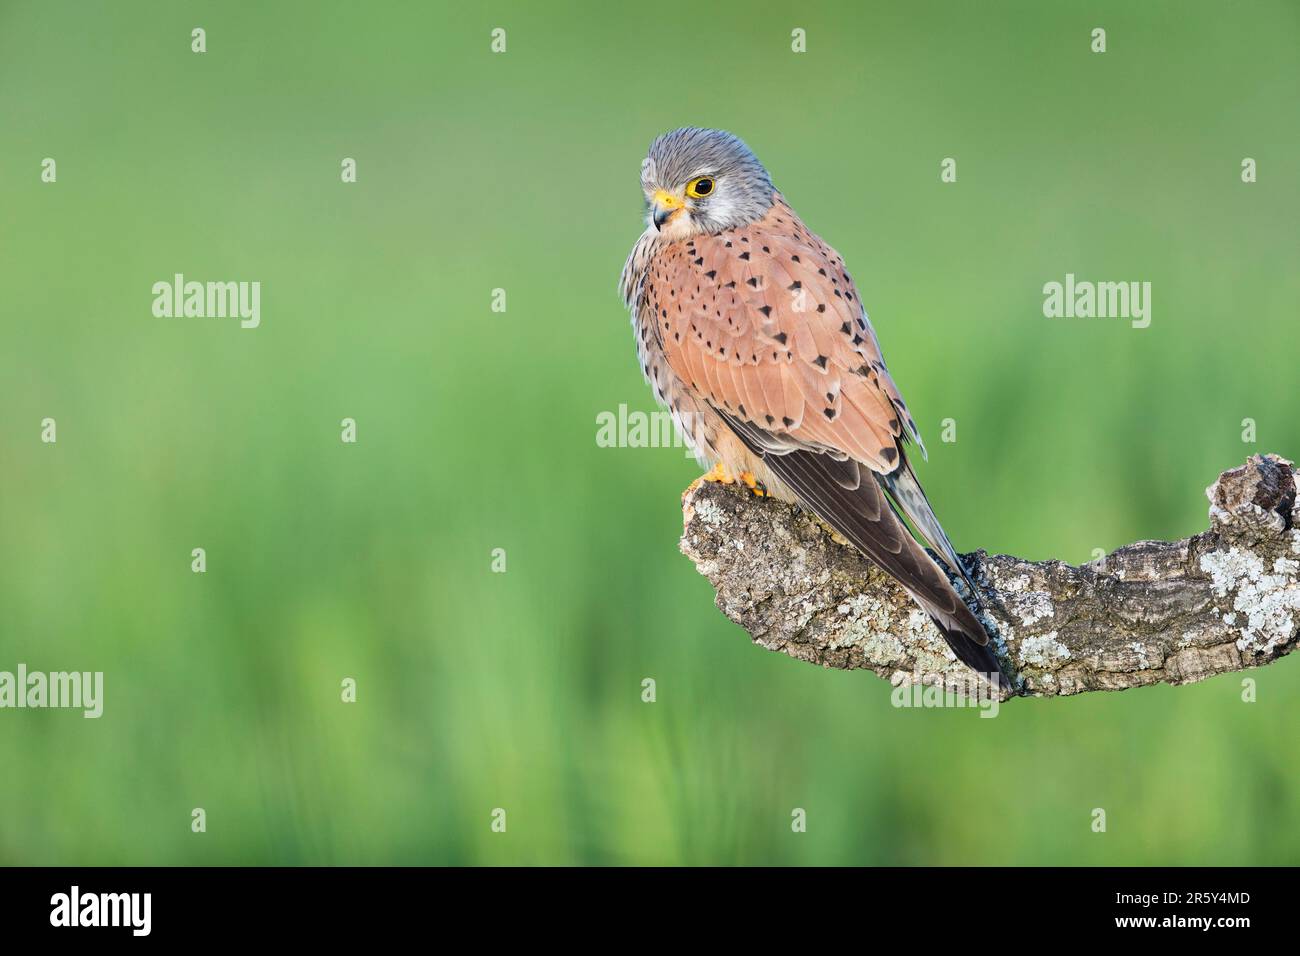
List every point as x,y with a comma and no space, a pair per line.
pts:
752,333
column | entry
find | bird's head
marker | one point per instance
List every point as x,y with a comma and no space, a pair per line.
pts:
703,181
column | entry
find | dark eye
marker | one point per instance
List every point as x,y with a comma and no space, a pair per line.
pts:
699,188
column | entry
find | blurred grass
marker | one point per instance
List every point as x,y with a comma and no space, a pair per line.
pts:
477,430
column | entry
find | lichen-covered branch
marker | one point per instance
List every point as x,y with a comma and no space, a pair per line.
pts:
1154,611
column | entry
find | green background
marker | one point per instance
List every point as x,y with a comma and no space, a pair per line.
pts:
476,430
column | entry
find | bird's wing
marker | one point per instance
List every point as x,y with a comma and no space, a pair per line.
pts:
766,325
765,322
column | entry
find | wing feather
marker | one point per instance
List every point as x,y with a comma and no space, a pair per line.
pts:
773,322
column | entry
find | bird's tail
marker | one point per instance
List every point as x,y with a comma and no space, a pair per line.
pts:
908,496
980,657
857,502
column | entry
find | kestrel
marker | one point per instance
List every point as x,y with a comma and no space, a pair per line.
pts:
752,334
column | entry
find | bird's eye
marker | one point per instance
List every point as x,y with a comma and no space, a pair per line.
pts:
700,187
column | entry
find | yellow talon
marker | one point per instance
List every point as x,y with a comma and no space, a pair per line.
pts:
719,473
716,473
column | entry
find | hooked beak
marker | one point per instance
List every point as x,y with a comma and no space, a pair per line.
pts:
666,205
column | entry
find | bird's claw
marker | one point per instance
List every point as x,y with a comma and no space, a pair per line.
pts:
720,474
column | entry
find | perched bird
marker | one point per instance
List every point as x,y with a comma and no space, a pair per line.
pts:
753,335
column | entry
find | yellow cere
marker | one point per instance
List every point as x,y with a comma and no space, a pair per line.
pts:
666,199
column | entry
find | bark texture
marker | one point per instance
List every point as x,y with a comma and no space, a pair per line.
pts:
1154,611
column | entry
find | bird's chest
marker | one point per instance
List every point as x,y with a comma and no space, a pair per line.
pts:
651,320
650,353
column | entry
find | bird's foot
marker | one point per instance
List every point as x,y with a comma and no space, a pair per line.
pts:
720,474
717,473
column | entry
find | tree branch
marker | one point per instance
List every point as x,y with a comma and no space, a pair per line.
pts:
1151,612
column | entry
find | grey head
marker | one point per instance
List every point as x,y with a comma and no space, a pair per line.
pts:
703,181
